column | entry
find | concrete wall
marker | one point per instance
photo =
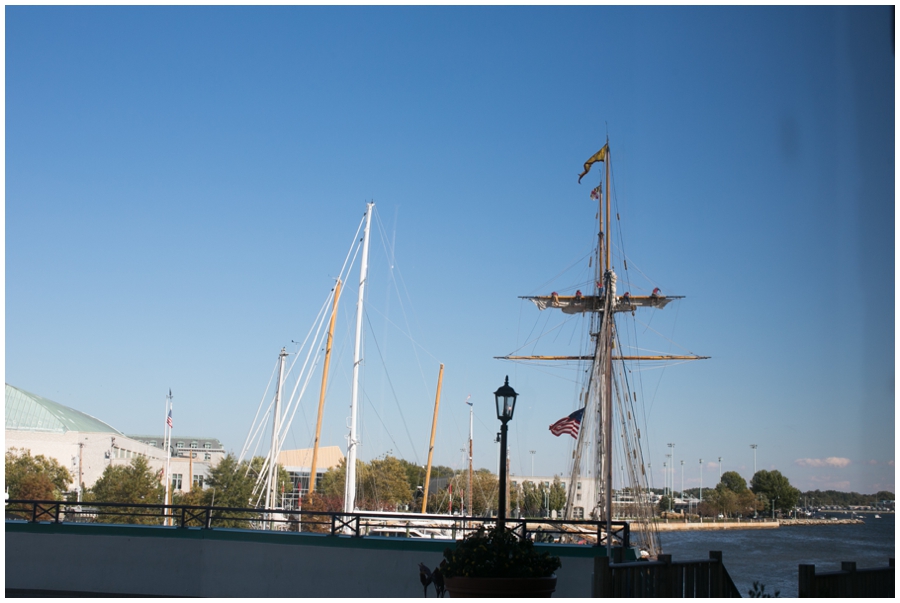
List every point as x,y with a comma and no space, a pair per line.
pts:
233,563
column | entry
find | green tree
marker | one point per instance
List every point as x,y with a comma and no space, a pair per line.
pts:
34,478
557,495
333,480
664,504
231,484
734,482
383,485
772,485
134,483
532,499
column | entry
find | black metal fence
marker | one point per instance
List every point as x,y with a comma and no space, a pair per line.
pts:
848,582
664,578
402,525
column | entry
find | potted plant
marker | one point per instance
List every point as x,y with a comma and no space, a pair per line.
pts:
496,563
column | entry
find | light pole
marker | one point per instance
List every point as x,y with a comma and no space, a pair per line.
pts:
720,468
672,491
682,480
532,461
666,479
753,446
700,500
505,399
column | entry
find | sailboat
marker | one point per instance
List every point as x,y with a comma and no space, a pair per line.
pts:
281,411
608,421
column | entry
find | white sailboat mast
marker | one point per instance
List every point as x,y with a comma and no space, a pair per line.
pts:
271,493
471,415
352,442
167,442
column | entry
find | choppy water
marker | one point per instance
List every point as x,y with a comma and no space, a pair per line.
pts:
772,556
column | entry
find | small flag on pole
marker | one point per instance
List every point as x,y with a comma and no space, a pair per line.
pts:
569,425
169,419
598,156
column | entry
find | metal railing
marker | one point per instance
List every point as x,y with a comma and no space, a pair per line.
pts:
848,582
664,578
361,523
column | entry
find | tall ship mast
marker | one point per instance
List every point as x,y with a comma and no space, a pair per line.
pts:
608,436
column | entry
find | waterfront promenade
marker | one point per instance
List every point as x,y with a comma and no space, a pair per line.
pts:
681,526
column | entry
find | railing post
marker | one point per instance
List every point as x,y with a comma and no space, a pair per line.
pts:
602,583
848,585
666,583
715,577
807,581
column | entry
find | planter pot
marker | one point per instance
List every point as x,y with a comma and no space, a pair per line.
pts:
500,587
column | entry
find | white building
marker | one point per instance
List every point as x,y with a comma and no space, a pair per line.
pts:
86,446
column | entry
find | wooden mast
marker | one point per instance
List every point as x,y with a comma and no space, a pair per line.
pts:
609,331
437,403
328,342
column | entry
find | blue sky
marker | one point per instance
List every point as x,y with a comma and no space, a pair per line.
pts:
182,185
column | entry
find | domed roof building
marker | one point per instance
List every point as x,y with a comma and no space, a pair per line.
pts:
86,445
29,412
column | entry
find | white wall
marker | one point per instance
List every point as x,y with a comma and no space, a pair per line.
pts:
100,450
229,563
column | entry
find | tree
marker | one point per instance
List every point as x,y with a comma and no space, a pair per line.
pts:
734,482
557,495
34,478
383,485
485,494
282,482
664,504
134,483
333,480
774,486
532,499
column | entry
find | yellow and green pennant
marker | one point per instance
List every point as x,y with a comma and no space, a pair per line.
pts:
598,156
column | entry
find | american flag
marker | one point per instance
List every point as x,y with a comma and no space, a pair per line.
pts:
569,425
169,419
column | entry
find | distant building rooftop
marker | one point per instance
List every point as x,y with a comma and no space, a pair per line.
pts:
29,412
185,441
295,460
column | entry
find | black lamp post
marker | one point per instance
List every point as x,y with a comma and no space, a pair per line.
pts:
505,398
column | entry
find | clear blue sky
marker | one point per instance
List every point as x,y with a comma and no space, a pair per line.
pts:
182,185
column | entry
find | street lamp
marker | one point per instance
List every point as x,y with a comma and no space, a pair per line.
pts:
532,461
720,468
753,446
505,398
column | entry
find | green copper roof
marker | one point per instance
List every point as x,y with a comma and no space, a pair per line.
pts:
28,412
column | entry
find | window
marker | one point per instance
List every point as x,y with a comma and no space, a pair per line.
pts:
579,485
514,484
578,497
546,484
207,445
180,445
176,481
152,442
193,445
198,481
206,456
578,512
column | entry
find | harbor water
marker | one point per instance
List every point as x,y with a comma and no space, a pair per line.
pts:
771,557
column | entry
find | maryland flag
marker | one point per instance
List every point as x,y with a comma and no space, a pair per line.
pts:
599,156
